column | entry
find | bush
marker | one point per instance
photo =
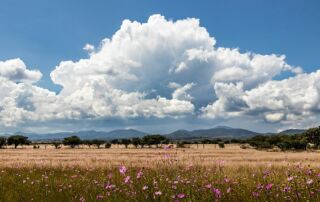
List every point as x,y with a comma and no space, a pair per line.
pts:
221,144
36,147
107,145
244,146
72,141
3,142
56,145
180,145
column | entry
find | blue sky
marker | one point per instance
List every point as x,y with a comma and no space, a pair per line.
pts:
43,33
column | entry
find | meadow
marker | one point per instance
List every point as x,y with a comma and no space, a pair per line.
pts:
198,173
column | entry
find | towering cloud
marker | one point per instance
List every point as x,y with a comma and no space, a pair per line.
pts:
160,69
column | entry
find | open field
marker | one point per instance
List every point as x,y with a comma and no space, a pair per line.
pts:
191,174
210,155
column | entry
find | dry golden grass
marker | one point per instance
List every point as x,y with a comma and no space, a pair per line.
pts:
232,156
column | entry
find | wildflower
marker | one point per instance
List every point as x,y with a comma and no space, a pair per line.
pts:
127,179
139,174
255,194
226,180
145,187
309,181
82,199
99,197
208,186
229,190
260,186
309,172
110,186
181,196
123,170
158,193
287,189
269,186
217,192
290,179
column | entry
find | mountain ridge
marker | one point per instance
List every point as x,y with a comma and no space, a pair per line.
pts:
181,134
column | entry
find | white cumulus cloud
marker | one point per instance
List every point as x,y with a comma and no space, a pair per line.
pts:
161,68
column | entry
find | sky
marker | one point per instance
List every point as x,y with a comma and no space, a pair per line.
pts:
159,66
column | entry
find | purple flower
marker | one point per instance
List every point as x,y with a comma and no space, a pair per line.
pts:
269,186
145,187
208,186
127,179
287,189
309,181
110,186
99,197
158,193
217,192
181,196
255,194
139,174
290,179
123,170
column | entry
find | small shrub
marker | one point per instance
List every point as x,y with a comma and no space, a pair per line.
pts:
107,145
180,145
221,145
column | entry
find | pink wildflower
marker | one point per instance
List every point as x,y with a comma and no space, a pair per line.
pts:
158,193
287,189
255,194
145,187
217,192
139,174
99,197
127,179
208,186
269,186
123,170
181,196
309,181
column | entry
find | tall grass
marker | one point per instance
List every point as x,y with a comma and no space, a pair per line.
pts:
165,183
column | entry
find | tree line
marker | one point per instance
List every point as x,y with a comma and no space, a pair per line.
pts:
310,139
75,141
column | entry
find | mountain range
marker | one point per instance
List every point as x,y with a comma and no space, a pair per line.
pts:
216,132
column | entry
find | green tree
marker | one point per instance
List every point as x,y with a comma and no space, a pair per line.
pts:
89,143
126,142
3,141
56,144
98,142
107,145
72,141
17,140
115,141
313,135
136,141
155,140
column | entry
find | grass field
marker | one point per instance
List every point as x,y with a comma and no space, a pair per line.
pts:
190,174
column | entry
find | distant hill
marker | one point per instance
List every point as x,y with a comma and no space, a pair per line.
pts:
217,132
121,133
292,131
